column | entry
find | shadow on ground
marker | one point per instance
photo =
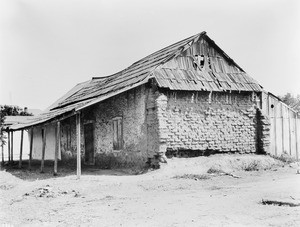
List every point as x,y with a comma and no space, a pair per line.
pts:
66,170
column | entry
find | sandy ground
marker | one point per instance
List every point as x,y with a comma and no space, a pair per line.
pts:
181,193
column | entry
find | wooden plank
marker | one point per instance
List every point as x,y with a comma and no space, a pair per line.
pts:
286,137
275,129
78,145
8,144
30,149
290,133
279,147
57,145
43,149
12,147
285,130
21,149
272,136
293,132
297,138
282,131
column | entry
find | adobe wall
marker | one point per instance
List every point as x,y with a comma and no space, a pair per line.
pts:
131,107
221,122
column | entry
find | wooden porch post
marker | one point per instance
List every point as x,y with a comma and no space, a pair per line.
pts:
78,146
12,147
8,144
43,149
2,153
57,147
21,149
30,149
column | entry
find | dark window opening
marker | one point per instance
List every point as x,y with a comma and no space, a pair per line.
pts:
201,61
272,106
209,62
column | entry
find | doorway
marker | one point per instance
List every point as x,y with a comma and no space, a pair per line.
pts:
89,155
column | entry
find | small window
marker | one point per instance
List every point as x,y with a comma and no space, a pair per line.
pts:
117,133
201,61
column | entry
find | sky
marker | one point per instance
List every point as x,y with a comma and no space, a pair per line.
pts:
49,46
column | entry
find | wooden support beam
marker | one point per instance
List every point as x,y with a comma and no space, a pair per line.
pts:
282,129
57,146
30,148
78,145
8,144
43,149
21,149
275,129
296,134
290,133
12,147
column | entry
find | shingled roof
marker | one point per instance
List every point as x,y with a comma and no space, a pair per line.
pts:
156,66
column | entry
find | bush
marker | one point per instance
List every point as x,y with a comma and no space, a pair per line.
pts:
285,157
253,165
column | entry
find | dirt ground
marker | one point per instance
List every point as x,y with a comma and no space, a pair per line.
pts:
220,190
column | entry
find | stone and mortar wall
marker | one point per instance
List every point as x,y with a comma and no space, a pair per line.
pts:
222,122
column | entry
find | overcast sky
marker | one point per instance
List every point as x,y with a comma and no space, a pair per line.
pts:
48,46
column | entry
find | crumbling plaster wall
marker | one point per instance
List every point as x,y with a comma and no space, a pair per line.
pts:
220,121
130,106
136,107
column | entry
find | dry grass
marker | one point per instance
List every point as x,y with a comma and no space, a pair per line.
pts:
193,176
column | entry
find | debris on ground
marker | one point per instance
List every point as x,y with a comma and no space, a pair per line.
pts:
217,171
50,192
280,203
6,187
193,176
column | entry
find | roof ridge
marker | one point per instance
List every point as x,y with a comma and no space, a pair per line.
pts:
169,57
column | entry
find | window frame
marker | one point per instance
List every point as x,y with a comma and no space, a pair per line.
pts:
117,128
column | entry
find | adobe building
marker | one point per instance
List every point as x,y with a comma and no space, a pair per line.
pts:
189,99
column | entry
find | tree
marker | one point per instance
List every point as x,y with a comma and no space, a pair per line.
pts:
13,111
292,101
2,136
6,110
